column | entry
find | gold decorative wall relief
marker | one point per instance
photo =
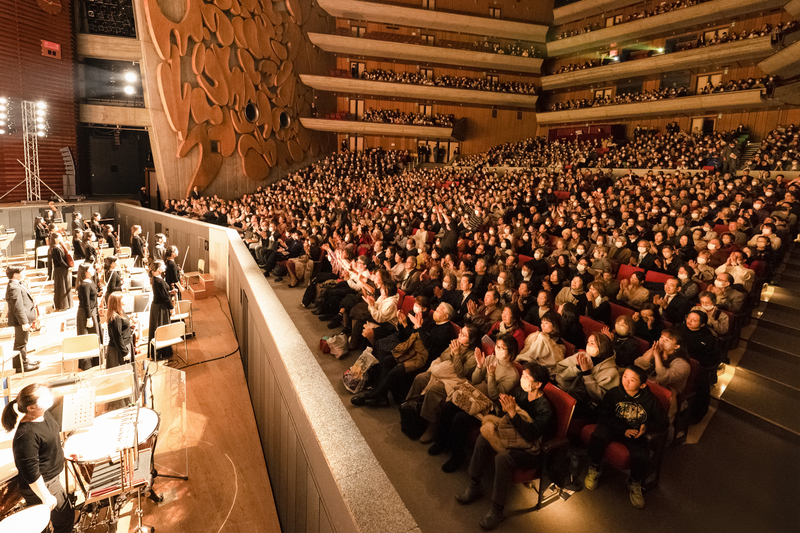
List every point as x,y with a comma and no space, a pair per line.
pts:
242,98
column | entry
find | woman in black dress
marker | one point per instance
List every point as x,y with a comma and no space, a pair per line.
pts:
41,232
120,333
172,274
138,246
160,307
94,224
77,245
110,238
111,277
88,318
62,281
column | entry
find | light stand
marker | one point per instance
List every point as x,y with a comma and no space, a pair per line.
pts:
30,135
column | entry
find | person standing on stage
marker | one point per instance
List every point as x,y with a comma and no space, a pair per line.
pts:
21,315
160,249
38,455
62,281
40,232
172,274
110,238
111,277
138,246
88,318
94,224
120,333
161,305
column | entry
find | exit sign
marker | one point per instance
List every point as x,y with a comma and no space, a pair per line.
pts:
51,49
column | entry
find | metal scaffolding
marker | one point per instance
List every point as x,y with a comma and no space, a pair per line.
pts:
30,134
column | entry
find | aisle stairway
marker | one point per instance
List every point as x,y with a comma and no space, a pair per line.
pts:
766,383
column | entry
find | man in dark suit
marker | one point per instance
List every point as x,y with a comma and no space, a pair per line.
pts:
21,315
463,297
672,305
645,259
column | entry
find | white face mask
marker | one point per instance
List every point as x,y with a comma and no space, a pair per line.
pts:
620,244
581,267
417,309
580,251
712,246
720,284
642,249
701,260
45,402
622,331
683,277
526,383
707,307
446,286
592,351
501,353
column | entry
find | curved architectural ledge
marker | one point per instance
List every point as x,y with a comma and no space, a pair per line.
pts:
419,92
424,54
376,128
785,63
104,47
688,105
587,8
434,20
793,8
714,11
718,55
118,115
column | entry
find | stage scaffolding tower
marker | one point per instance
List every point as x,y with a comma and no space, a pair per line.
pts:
31,111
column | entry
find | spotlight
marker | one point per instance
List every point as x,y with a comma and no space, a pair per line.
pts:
660,50
41,105
2,132
40,126
3,100
40,134
130,77
40,112
129,89
39,119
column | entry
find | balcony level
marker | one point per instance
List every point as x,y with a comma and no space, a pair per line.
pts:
376,128
434,20
119,115
111,48
660,25
673,107
728,54
424,55
418,92
785,63
587,8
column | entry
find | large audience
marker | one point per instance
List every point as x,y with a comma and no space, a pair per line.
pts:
621,98
463,279
455,82
395,116
768,83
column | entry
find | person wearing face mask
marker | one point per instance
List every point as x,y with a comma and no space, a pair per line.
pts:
590,373
600,261
597,307
736,268
38,455
524,299
574,294
625,345
644,258
728,298
703,272
689,288
620,254
581,270
494,375
454,366
530,415
544,346
718,322
447,292
667,363
768,231
627,413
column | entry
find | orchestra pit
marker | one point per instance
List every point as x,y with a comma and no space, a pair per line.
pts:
399,266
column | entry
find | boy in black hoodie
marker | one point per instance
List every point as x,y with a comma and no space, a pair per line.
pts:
627,412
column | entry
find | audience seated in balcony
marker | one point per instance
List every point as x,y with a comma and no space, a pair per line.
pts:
395,116
622,98
455,82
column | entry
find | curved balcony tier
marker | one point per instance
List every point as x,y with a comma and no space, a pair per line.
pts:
726,54
587,8
785,63
376,128
434,20
418,92
424,54
688,105
659,25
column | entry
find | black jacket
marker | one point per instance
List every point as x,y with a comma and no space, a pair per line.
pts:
623,412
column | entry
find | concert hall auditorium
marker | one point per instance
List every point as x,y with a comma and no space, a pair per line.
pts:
399,266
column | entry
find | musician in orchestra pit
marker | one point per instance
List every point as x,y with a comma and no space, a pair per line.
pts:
62,281
111,277
38,455
160,306
52,214
160,249
110,238
40,232
77,245
94,224
172,274
88,318
120,333
89,251
21,316
77,222
138,246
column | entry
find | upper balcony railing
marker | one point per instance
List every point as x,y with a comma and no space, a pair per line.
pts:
434,20
660,25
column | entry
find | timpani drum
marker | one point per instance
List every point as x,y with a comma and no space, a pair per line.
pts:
99,442
30,520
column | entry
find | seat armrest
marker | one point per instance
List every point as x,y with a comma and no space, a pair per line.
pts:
554,444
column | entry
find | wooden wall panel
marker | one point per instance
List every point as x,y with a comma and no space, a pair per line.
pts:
26,74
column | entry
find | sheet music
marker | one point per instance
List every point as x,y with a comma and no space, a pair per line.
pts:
78,409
